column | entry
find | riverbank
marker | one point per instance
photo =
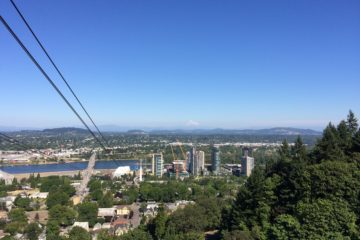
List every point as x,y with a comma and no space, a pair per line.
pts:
20,176
46,174
68,167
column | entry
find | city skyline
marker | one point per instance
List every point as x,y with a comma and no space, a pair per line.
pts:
185,64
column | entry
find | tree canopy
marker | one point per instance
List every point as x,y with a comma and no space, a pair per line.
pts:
303,195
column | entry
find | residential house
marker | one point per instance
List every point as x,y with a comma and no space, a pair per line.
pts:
123,211
84,225
120,226
107,213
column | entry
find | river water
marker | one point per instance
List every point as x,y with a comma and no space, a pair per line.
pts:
74,166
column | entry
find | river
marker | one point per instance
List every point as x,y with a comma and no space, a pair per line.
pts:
73,166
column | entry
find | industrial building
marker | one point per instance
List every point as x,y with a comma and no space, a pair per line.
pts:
157,164
120,171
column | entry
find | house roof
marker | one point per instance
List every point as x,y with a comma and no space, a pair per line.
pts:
3,215
106,212
118,222
84,225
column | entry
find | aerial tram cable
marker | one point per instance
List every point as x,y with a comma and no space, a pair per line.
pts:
50,81
58,71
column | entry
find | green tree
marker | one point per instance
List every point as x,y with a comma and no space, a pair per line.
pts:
17,215
88,212
33,231
18,221
284,150
355,148
285,227
79,233
333,179
22,202
191,218
104,235
52,230
97,195
136,234
294,199
94,185
324,219
298,151
107,200
186,236
55,198
15,227
160,223
8,238
68,189
352,123
329,147
237,235
252,206
64,215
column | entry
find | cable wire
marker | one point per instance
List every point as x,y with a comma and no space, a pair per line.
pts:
49,80
57,69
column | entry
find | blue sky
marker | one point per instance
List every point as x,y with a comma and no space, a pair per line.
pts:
184,64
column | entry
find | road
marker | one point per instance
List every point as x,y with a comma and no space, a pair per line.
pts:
82,190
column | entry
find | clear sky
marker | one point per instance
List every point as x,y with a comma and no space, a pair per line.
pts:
184,63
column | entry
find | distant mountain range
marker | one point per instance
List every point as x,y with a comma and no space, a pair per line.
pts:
65,130
267,131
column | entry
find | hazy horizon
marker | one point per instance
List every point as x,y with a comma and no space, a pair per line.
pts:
119,128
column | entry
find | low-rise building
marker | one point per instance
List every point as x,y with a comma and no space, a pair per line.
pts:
120,226
107,213
106,226
121,171
123,210
7,202
151,209
84,225
39,195
97,227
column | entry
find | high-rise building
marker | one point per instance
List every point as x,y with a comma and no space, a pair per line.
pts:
201,161
196,161
192,158
215,160
188,161
157,164
247,164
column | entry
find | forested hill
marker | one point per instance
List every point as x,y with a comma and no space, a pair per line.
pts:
65,130
303,195
283,131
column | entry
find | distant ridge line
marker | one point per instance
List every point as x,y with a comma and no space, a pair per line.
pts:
286,131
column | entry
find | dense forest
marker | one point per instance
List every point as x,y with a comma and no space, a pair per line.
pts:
303,195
